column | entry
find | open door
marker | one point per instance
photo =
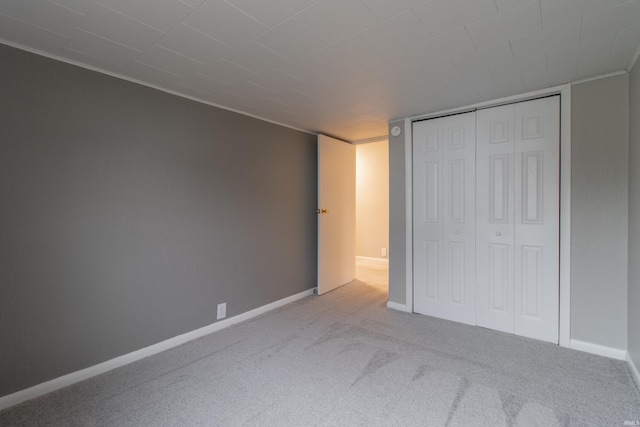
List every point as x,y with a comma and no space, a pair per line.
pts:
336,213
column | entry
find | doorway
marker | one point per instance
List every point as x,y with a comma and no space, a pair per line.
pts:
372,212
353,213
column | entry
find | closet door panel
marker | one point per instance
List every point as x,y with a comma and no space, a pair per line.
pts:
495,170
427,215
458,278
537,181
444,217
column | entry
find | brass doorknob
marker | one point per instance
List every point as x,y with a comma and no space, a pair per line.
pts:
321,211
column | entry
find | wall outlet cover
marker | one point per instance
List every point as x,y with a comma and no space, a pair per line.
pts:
222,311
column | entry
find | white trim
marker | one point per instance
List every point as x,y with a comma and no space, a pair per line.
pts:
511,99
395,306
600,350
634,370
143,83
564,91
371,260
372,139
599,77
92,371
564,318
408,166
634,58
493,103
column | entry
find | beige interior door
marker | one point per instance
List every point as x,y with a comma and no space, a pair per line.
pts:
336,213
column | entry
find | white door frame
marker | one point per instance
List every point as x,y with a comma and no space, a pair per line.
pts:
565,196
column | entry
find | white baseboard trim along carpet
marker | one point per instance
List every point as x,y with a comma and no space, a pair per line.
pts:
600,350
597,349
634,370
345,359
396,306
92,371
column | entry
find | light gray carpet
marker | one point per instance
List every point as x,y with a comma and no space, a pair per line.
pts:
344,359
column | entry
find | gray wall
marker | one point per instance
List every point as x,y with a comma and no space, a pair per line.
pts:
599,197
397,229
127,214
634,215
599,213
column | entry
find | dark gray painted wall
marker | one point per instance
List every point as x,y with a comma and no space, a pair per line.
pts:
127,214
599,212
634,216
397,217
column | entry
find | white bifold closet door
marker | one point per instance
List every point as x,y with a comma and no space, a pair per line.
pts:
486,218
444,211
517,218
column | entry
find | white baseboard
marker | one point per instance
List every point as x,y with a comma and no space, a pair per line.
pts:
92,371
380,261
634,370
400,307
600,350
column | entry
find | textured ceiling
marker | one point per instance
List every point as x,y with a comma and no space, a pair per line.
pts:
340,67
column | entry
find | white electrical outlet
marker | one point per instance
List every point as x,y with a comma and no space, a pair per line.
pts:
384,252
222,311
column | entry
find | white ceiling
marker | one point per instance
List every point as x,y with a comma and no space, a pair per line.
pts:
340,67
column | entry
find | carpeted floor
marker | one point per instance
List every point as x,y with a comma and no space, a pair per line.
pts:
344,359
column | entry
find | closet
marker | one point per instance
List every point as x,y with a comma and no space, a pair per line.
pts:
486,217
